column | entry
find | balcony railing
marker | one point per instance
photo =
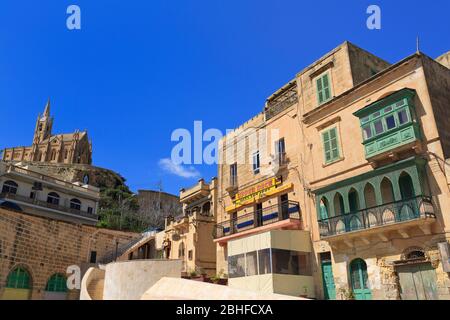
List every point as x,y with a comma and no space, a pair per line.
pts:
391,213
283,211
45,204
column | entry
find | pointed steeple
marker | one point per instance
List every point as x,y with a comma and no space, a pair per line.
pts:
47,109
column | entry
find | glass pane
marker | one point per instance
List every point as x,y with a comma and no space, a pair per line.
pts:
325,80
319,84
334,143
402,116
290,262
364,120
252,264
236,266
367,132
264,261
378,125
388,109
390,122
333,133
376,114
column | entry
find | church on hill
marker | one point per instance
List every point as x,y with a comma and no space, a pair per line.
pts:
67,148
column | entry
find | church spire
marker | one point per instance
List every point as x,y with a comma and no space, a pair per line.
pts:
47,109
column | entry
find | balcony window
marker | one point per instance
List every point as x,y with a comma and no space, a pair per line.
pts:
53,198
10,187
75,204
236,266
388,123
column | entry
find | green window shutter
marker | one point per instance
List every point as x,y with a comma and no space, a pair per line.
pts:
323,89
330,145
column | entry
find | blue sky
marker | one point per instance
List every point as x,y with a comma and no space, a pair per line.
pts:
137,70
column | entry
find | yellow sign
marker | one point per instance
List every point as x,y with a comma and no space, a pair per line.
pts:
254,193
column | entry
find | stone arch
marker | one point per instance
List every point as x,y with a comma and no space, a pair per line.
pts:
406,185
387,190
353,200
340,227
324,208
370,195
338,202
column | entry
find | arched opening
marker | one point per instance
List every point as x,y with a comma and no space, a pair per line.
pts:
406,186
181,250
353,200
18,285
370,196
360,280
408,209
387,192
56,288
53,198
323,209
338,205
206,208
10,187
75,204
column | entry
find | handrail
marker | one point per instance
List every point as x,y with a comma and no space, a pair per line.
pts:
393,212
283,211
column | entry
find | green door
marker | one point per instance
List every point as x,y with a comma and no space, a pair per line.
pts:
417,282
328,281
359,279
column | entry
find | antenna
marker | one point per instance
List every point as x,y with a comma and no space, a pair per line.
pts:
418,44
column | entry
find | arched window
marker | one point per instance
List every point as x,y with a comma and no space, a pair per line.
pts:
206,208
338,205
387,192
406,186
53,198
56,283
10,187
53,155
75,204
324,209
19,278
360,279
353,200
370,196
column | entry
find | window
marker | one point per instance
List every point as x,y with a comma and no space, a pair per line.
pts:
236,266
256,162
75,204
93,257
323,88
53,198
265,266
280,150
32,194
251,264
56,283
90,210
19,278
233,174
330,145
10,187
66,154
181,250
290,262
384,120
190,254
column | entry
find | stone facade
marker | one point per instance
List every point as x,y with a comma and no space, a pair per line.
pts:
60,148
373,198
44,247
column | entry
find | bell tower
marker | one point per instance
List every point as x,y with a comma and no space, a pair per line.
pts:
44,125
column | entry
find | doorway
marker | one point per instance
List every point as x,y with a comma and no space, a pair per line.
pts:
329,289
360,280
417,282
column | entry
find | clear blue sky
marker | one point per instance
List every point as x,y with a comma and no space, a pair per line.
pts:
137,70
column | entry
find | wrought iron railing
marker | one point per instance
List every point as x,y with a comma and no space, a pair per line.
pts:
59,207
283,211
282,102
386,214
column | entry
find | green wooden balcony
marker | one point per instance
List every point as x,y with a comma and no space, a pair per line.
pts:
390,124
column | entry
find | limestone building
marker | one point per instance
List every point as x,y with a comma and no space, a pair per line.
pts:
189,236
54,148
343,193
